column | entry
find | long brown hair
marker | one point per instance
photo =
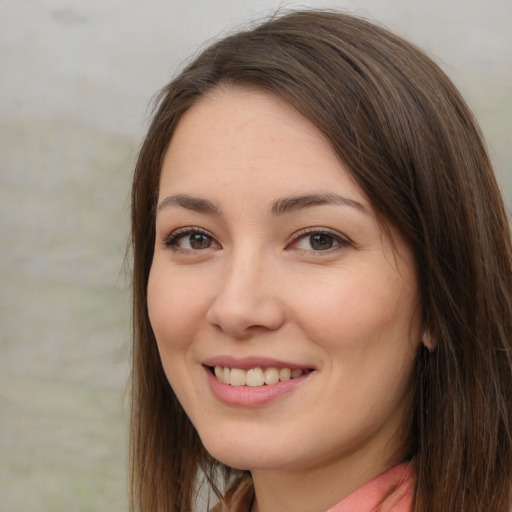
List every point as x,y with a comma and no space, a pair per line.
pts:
407,137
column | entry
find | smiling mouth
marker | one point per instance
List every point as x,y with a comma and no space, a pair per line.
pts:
256,377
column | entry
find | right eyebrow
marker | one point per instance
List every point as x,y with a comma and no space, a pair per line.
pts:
190,203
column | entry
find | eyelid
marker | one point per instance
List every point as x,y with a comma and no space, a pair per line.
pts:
343,240
176,234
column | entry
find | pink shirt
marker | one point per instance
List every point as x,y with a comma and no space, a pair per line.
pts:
393,491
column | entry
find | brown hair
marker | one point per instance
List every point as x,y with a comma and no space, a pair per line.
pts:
412,145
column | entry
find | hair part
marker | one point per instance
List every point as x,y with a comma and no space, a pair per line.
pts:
411,143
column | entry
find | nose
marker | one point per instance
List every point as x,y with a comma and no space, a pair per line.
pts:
247,301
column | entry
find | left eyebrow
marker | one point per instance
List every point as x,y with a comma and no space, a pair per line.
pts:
294,203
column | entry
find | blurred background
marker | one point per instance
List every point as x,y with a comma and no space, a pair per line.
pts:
76,80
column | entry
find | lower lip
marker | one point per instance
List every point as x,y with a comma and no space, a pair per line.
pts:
247,396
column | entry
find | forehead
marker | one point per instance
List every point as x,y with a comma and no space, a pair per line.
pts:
238,135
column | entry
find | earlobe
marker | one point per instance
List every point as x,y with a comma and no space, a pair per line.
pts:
427,341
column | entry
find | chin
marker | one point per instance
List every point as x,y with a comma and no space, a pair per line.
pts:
247,456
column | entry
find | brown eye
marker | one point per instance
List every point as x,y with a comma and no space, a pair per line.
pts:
191,239
318,240
199,241
321,242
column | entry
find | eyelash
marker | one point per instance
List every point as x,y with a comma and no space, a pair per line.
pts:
341,241
172,240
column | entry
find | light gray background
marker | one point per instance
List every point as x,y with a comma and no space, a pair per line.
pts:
76,79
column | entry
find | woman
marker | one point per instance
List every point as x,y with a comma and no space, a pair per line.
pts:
322,282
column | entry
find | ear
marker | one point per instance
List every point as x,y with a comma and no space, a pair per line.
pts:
427,340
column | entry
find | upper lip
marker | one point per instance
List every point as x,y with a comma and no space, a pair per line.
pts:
246,363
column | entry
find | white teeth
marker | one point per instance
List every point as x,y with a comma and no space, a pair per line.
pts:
238,377
271,376
255,377
285,374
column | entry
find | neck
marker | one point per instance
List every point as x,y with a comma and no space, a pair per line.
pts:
315,489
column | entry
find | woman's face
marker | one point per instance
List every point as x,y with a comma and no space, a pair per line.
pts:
286,320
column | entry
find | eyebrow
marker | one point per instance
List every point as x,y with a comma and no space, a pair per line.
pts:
190,203
294,203
279,207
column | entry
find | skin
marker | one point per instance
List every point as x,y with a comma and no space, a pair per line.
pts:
256,286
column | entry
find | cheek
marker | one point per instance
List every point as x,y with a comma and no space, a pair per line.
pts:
362,311
175,308
175,313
